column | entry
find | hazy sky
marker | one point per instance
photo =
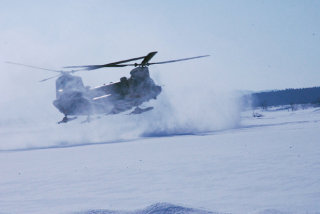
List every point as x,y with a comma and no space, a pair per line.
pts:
254,45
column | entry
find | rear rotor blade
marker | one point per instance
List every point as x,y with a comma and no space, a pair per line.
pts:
177,60
31,66
113,64
163,62
94,67
148,58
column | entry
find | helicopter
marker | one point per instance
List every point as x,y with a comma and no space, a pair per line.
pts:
73,98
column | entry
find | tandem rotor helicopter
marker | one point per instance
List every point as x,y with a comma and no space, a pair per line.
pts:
75,99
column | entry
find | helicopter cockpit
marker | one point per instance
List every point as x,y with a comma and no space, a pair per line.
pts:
68,83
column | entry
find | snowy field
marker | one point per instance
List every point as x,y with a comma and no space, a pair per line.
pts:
269,164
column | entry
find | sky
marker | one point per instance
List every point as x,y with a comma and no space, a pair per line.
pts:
254,45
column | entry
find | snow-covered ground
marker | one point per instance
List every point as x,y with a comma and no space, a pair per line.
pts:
269,164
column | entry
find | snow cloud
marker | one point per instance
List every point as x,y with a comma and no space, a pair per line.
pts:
189,104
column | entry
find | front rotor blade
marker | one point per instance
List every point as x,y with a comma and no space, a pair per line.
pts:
177,60
31,66
49,78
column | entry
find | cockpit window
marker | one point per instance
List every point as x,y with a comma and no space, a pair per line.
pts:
68,83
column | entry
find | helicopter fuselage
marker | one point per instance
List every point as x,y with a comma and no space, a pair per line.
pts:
73,98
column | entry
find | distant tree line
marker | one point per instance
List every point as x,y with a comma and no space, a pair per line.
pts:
286,97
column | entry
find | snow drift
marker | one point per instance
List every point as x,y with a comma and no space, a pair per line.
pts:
154,209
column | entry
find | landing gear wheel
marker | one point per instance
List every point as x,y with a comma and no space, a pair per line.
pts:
139,110
65,119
